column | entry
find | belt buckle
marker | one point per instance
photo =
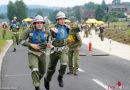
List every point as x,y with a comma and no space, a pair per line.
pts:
14,32
57,49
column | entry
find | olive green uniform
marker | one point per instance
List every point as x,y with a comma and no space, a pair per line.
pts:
3,33
15,34
101,34
73,49
59,52
36,58
86,31
4,27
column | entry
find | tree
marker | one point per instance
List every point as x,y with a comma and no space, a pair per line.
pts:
116,2
21,10
17,9
52,16
99,13
39,12
91,6
3,16
103,5
77,12
11,10
113,16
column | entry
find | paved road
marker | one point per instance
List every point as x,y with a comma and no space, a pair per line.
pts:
95,72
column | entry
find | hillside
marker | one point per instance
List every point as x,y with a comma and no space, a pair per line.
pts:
32,9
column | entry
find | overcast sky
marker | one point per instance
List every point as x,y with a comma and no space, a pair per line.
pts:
59,3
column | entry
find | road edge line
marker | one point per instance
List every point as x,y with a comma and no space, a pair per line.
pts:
2,54
101,84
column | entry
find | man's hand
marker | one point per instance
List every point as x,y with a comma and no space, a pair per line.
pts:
35,46
78,48
54,29
48,45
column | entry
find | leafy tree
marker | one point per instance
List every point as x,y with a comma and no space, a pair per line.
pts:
99,13
116,2
77,12
103,5
11,10
52,16
21,10
39,12
113,16
91,6
3,16
17,9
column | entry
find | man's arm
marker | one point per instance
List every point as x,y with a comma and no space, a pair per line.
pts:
23,38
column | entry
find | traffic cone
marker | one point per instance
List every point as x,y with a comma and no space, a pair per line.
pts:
120,85
90,46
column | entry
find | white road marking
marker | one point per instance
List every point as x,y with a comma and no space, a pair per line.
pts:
17,75
101,84
81,70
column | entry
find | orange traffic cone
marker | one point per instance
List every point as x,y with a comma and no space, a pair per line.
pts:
90,46
120,85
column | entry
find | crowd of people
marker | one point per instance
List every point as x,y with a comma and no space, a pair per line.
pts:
62,38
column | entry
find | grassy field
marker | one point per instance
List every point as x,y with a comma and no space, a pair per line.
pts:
8,37
120,35
128,32
2,43
117,25
121,24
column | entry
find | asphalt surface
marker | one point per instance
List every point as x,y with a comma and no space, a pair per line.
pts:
95,72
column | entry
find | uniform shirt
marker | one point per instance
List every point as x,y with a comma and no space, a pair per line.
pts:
60,42
28,34
15,26
101,29
75,37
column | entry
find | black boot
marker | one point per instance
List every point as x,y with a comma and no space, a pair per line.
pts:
46,84
37,88
17,43
60,80
70,73
14,50
75,74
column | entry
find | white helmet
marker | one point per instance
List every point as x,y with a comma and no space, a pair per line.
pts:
38,18
60,14
14,17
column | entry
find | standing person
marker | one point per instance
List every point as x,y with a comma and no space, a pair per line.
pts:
86,30
60,51
37,45
74,44
24,25
101,34
15,32
96,28
4,29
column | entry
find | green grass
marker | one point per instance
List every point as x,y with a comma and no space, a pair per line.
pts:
117,24
2,43
121,24
8,37
128,32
